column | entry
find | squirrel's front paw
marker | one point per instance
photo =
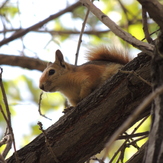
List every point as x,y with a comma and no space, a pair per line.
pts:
67,109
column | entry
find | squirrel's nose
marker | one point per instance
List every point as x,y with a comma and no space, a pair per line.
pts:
41,87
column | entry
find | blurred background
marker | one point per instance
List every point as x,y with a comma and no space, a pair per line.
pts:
21,85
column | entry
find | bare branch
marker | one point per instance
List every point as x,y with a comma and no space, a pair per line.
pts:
134,135
138,76
60,32
7,139
48,142
39,106
145,26
38,25
155,10
8,117
8,146
138,156
125,143
80,37
145,47
3,4
24,62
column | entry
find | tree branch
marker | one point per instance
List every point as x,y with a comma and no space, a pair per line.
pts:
145,47
154,151
138,156
24,62
38,25
84,130
60,32
155,10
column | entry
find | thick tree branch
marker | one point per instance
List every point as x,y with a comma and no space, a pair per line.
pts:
145,47
21,61
154,151
84,130
38,25
155,10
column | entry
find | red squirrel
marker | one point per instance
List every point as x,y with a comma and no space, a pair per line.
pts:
77,82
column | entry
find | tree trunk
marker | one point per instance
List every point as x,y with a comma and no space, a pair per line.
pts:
154,151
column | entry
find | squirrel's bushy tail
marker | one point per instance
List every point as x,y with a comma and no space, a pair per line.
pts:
104,53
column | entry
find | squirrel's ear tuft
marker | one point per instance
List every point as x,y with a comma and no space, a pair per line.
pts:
59,58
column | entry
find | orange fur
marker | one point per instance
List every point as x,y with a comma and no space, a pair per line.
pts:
111,54
77,82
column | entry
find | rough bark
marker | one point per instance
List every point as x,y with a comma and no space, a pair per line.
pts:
84,130
154,150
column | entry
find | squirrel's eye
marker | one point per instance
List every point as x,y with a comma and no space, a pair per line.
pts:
51,72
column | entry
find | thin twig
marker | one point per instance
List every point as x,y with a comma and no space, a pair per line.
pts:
145,25
153,8
133,135
126,11
8,147
48,143
5,98
39,107
136,140
8,117
131,140
80,37
96,159
141,122
138,76
3,4
151,34
133,116
123,146
6,140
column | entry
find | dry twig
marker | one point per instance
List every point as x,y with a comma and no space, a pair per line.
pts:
138,76
48,143
80,37
7,118
39,107
127,142
145,26
133,135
